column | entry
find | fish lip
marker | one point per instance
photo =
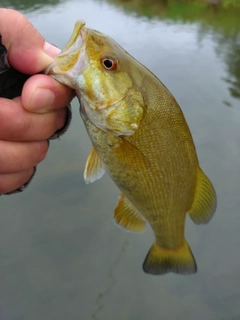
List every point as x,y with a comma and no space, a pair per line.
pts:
69,55
77,31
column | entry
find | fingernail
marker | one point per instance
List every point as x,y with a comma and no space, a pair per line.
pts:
50,49
42,100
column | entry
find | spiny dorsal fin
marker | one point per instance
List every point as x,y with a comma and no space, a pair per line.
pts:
94,168
127,216
204,203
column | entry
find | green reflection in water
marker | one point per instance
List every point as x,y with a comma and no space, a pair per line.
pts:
222,21
230,51
185,10
28,5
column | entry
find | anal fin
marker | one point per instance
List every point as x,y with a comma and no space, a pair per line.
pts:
94,168
204,203
127,216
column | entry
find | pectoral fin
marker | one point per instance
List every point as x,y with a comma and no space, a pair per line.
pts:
94,168
129,153
204,203
127,216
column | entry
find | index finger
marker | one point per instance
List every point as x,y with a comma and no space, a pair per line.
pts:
25,45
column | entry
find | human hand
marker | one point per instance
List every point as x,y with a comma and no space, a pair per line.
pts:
27,122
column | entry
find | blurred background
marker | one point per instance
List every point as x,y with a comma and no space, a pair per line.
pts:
61,255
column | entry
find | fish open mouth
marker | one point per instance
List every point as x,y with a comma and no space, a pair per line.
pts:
70,55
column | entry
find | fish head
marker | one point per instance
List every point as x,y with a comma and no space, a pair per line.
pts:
99,70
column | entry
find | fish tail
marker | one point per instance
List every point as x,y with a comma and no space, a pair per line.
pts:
160,260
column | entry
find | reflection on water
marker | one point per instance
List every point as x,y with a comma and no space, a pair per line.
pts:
222,22
229,49
61,256
29,5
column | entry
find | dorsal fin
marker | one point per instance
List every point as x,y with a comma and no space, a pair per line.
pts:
204,203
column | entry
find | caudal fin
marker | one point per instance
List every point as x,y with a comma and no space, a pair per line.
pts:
160,261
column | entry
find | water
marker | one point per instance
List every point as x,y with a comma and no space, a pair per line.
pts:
61,255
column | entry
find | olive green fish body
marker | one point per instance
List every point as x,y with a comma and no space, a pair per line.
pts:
159,184
140,137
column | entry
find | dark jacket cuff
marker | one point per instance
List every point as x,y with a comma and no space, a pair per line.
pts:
60,132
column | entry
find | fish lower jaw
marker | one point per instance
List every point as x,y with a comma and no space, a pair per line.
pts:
63,78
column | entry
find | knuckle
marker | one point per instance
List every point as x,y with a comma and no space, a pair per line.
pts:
42,151
11,182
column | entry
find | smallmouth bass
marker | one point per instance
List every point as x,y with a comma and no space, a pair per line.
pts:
140,137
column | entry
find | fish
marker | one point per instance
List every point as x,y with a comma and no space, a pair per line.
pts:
141,139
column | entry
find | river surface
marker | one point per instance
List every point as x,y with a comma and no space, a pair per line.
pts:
61,255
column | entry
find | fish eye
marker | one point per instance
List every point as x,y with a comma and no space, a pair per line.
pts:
109,63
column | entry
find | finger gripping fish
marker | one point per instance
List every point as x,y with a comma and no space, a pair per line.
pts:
141,138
